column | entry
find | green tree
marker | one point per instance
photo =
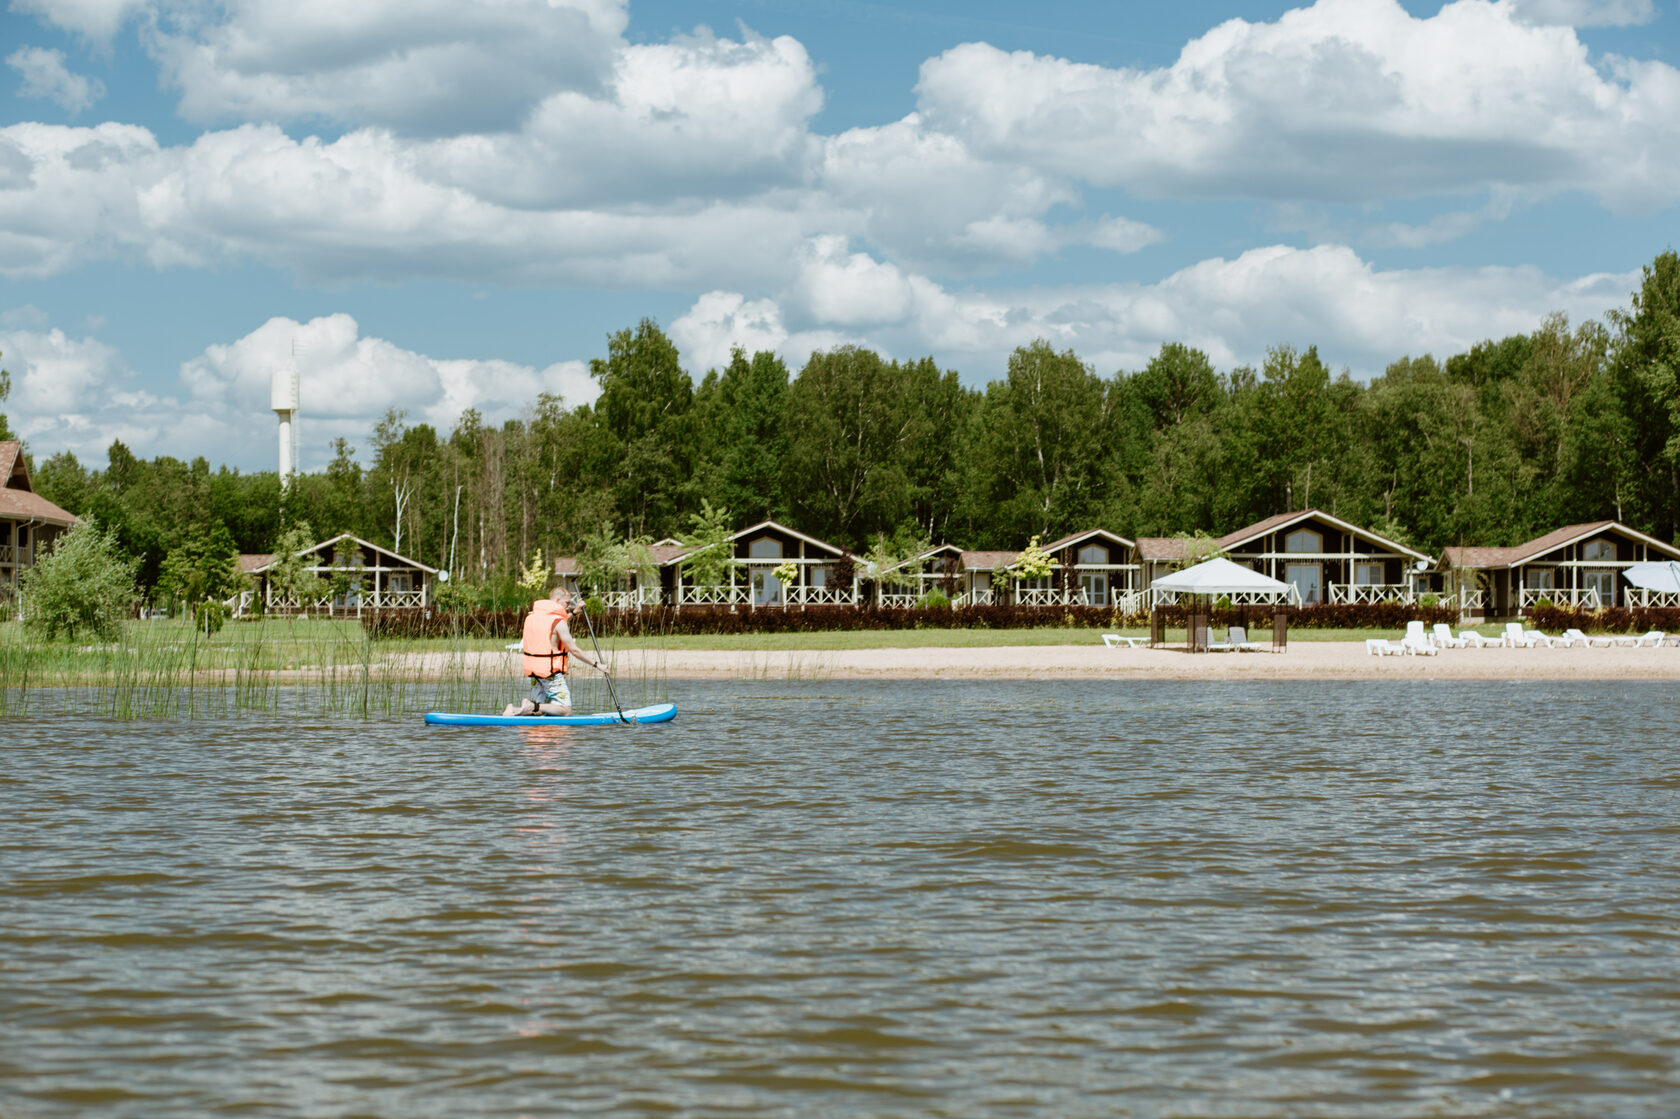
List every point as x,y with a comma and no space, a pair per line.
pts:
644,408
711,562
740,436
290,575
83,587
203,568
1645,366
1042,450
872,444
5,391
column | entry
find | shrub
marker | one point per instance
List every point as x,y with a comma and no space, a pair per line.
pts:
935,600
81,588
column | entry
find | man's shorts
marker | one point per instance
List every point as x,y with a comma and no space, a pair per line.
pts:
551,689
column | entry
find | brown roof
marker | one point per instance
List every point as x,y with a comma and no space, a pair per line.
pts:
250,562
1162,549
1539,546
23,505
665,553
18,499
988,561
12,461
1057,545
565,565
1260,528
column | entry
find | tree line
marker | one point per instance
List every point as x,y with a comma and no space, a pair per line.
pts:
1495,445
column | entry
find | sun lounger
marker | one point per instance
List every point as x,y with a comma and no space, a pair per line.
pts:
1444,638
1570,638
1115,640
1416,642
1516,636
1475,640
1652,639
1238,637
1382,647
1535,637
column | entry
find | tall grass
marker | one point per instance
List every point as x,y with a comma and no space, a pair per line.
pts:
290,667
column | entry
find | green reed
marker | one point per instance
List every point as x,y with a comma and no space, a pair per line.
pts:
290,666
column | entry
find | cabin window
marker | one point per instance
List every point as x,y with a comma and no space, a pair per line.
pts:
401,582
1541,578
818,576
765,547
1303,540
1093,553
1598,551
1367,574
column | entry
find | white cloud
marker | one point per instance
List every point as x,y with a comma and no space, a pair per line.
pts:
1347,100
1357,314
720,321
52,372
78,394
431,66
45,76
97,20
1122,235
1584,13
697,117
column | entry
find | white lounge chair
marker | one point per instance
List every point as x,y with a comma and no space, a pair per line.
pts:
1652,638
1516,636
1535,637
1475,640
1570,638
1444,638
1416,642
1382,647
1238,637
1115,640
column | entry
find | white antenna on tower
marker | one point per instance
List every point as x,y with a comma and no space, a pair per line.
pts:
283,398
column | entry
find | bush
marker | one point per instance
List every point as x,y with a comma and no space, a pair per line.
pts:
1614,619
935,600
81,588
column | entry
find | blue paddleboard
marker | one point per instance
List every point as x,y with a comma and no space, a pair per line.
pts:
657,713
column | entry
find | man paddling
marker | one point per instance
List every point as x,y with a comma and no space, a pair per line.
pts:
545,651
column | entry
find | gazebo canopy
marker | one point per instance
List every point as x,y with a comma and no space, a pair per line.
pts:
1219,576
1663,576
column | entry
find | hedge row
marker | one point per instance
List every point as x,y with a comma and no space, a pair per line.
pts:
1612,619
506,624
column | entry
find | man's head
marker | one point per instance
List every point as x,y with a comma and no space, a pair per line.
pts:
560,594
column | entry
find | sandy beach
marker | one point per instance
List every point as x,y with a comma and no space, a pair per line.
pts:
1304,660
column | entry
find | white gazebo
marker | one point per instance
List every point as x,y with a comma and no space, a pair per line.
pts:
1241,586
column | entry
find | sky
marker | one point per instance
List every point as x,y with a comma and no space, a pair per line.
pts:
435,205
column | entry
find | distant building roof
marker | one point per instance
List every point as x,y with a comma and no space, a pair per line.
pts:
18,499
988,561
1075,537
252,562
1481,557
1162,549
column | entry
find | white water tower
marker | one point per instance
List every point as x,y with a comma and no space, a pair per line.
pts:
283,398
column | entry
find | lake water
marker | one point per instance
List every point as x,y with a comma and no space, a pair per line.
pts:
840,898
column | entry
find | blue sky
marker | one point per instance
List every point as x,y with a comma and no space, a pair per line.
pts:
441,204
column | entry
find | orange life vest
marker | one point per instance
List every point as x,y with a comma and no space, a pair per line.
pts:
538,641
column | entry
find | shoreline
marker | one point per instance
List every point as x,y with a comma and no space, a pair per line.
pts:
1308,660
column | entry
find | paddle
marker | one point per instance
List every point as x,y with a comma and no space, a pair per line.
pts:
612,691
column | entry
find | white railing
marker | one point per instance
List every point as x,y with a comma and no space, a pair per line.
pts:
1641,596
901,599
1130,602
973,598
720,594
1049,596
8,553
1355,594
631,599
1465,599
397,600
1580,597
818,596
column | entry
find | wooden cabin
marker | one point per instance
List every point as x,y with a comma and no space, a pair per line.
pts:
374,578
1578,565
29,523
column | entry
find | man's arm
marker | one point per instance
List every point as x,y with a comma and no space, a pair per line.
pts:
563,640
